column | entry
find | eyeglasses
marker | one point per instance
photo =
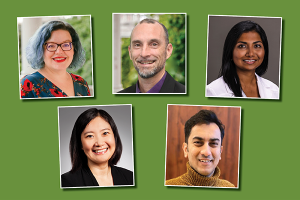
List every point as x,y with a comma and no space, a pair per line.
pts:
67,46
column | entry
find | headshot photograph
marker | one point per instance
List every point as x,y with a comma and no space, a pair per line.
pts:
149,53
203,146
96,146
243,57
55,56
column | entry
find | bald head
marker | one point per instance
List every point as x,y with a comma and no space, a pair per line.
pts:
153,21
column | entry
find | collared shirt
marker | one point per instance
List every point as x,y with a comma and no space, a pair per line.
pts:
266,89
156,88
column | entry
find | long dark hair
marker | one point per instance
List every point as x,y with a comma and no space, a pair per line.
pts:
78,157
228,69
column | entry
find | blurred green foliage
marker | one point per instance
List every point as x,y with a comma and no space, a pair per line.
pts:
129,74
82,26
175,65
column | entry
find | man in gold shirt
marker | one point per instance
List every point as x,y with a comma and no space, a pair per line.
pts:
203,147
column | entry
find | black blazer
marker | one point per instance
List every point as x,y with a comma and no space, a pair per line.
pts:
169,86
84,177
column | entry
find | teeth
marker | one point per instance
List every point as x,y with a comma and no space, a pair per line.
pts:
205,161
99,151
249,60
147,62
59,58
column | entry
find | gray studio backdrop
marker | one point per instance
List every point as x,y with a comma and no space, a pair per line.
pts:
122,116
218,28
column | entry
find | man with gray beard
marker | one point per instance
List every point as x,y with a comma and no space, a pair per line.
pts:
149,49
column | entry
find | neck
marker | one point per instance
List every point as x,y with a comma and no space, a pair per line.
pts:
54,74
209,175
99,169
246,78
146,84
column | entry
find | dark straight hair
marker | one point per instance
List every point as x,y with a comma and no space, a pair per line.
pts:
228,69
78,157
202,117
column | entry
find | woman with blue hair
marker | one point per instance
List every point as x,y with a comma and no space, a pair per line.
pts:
53,49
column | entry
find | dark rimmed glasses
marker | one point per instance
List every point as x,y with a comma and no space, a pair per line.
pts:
66,46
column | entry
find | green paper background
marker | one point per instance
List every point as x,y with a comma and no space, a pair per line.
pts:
29,139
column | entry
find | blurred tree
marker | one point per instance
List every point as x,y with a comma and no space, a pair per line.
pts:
129,74
82,26
175,24
175,65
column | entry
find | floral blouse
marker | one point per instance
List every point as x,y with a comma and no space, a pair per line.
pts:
36,85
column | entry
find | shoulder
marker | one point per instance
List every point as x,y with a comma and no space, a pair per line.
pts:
33,78
176,181
268,83
70,179
82,177
131,89
267,88
170,85
122,176
33,86
218,88
81,87
224,183
77,78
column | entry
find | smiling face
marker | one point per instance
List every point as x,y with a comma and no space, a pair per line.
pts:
59,59
249,52
204,149
98,141
148,49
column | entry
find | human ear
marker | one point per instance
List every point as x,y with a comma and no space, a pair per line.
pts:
221,151
185,149
169,50
129,52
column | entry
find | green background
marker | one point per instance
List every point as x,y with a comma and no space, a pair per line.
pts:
269,133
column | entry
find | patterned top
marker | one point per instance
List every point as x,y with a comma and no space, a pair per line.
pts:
36,85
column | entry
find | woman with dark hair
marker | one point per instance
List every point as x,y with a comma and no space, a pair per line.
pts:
245,59
53,49
95,148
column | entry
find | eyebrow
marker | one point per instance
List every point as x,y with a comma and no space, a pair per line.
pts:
200,138
246,42
104,129
59,43
139,41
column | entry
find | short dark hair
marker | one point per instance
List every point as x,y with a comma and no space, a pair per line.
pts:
78,157
203,117
228,69
35,47
153,21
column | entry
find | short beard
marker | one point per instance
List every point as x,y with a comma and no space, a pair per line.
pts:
149,74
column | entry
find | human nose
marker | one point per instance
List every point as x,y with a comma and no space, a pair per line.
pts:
205,151
145,51
59,49
98,142
250,52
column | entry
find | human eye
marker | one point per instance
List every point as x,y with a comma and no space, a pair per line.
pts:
65,44
105,133
198,143
51,45
240,46
214,144
89,136
136,45
257,45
